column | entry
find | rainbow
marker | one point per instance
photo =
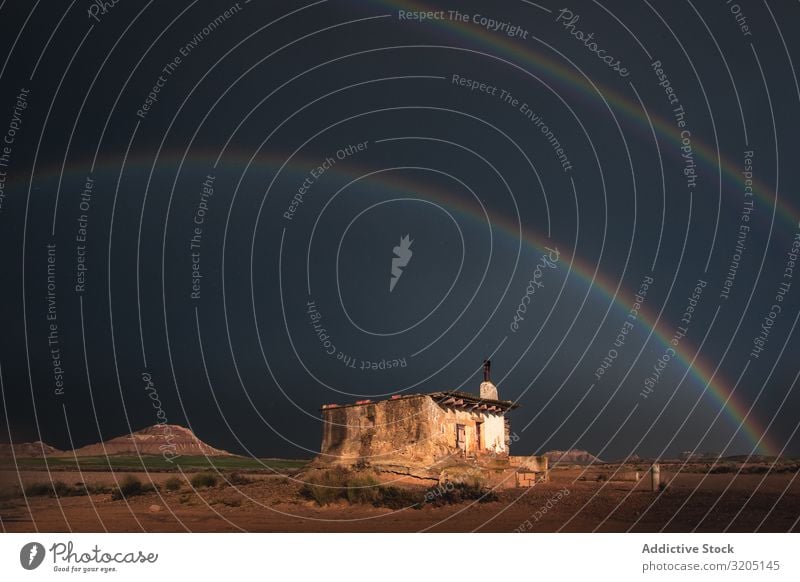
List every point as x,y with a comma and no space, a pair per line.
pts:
524,53
702,370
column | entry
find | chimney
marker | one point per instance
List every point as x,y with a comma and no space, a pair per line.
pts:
488,390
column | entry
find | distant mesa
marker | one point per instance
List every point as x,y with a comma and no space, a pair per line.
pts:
571,457
28,450
632,458
154,440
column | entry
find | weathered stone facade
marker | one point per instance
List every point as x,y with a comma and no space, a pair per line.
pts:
428,437
422,428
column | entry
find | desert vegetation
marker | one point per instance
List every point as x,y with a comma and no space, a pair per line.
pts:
61,489
362,487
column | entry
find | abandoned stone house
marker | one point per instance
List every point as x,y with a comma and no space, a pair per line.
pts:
430,437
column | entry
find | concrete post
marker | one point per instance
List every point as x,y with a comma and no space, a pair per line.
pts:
655,477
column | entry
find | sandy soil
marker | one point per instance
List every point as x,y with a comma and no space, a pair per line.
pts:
105,478
275,504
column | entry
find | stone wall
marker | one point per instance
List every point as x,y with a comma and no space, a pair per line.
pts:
413,430
398,430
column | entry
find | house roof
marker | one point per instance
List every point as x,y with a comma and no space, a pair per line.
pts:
472,401
453,398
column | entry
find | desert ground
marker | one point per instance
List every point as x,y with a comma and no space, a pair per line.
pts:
575,499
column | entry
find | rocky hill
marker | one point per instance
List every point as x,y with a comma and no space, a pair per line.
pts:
28,450
153,440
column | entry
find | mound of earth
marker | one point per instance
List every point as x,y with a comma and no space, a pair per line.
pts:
632,458
571,457
28,450
153,440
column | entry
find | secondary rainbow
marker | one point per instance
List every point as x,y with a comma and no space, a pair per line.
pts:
530,53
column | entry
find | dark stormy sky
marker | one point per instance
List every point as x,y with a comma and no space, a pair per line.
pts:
201,202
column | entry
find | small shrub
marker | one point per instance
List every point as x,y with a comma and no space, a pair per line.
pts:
362,489
326,487
173,484
322,494
239,479
94,489
62,489
54,489
38,489
488,496
89,489
203,480
12,492
130,487
336,477
399,498
451,493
